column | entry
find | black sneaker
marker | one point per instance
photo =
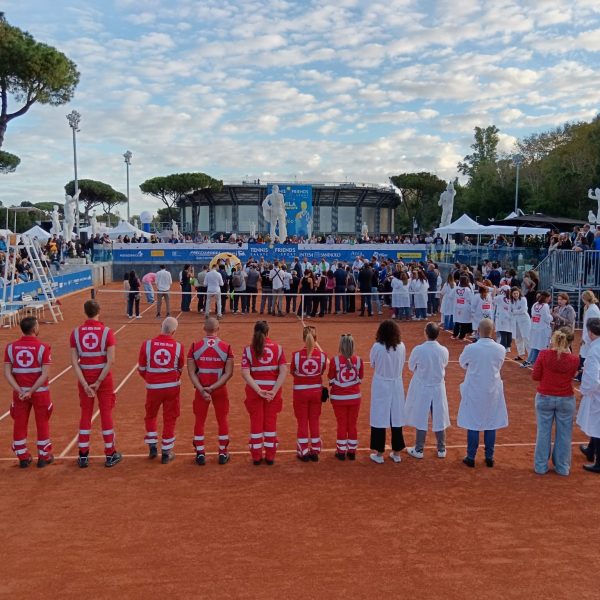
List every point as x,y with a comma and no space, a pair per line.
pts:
167,457
587,452
223,459
304,458
23,464
200,460
351,455
469,462
269,462
152,451
113,459
44,462
257,462
83,461
489,462
314,457
340,456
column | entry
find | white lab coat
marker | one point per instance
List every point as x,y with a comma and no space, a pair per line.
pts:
593,312
400,294
463,296
427,389
588,417
503,316
541,326
419,289
387,389
447,299
481,308
521,323
482,405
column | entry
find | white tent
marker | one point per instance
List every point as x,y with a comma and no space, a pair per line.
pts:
510,230
100,228
464,225
125,228
37,232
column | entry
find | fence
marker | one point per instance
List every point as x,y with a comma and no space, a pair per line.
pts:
508,257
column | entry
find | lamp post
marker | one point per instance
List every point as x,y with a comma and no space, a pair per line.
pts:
127,156
517,160
74,117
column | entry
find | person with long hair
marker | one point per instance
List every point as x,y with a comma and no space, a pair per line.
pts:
307,367
482,305
503,321
427,392
563,314
419,287
346,371
133,296
387,357
264,370
529,287
307,284
448,300
521,323
541,328
401,295
463,297
554,369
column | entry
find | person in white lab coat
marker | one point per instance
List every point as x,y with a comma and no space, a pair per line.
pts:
503,317
588,417
447,309
463,296
482,405
521,323
482,305
427,392
541,328
387,391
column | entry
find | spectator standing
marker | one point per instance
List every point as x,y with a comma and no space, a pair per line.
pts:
185,279
214,282
276,277
201,288
266,297
163,290
252,285
148,281
133,296
365,279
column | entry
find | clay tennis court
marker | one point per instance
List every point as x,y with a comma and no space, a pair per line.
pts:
425,529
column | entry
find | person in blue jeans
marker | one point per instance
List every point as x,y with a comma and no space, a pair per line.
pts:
555,369
482,404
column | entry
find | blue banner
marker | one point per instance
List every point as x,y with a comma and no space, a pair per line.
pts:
204,253
65,284
298,208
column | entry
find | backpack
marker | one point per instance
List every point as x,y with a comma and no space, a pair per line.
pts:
236,279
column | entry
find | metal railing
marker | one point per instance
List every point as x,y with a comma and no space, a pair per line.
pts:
521,259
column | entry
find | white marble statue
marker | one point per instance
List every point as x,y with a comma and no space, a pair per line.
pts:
309,228
136,224
56,229
94,224
174,229
70,212
447,203
274,213
253,229
364,229
594,195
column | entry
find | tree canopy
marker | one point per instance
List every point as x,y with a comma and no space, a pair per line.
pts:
8,162
96,193
31,72
171,188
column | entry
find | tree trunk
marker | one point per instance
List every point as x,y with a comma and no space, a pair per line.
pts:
3,126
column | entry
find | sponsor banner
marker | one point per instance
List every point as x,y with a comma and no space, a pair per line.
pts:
203,253
70,282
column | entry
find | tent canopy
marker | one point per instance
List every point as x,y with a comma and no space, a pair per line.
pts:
510,230
541,220
125,228
37,232
463,224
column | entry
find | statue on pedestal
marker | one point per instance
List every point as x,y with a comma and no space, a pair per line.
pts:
274,213
364,230
594,219
70,210
447,203
56,228
94,224
174,229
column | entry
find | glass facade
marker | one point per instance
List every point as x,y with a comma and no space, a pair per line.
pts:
325,219
346,219
247,215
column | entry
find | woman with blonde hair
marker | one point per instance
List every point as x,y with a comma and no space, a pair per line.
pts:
307,368
554,369
346,371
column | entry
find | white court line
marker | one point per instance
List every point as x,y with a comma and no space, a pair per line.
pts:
324,450
95,415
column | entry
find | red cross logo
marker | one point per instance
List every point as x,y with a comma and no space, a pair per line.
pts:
267,356
347,374
211,342
24,358
162,357
310,366
90,340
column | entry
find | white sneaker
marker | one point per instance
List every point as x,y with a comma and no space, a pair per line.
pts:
412,452
441,454
395,457
376,458
139,317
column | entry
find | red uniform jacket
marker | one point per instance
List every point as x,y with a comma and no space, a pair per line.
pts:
308,370
264,370
210,356
92,341
160,362
345,376
27,356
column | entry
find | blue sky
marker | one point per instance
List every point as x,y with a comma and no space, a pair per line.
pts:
328,90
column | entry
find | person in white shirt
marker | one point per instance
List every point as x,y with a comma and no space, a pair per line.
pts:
521,323
541,328
163,290
463,296
213,282
276,275
427,392
482,404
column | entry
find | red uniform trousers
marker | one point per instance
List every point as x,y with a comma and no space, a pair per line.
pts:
307,408
19,411
168,398
346,415
263,424
106,402
220,402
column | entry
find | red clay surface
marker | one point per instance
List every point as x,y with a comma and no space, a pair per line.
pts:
429,528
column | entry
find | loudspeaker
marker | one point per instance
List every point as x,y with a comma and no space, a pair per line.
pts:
83,237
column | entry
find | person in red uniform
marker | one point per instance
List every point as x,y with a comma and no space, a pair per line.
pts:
345,374
307,367
92,357
26,368
160,363
264,370
210,367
